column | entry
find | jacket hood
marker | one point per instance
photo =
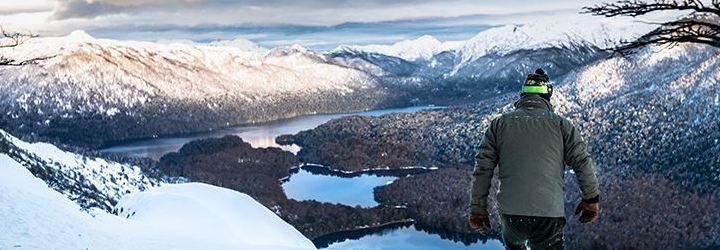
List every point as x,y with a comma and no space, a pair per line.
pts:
533,101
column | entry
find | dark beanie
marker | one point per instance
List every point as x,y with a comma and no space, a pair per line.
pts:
539,76
538,83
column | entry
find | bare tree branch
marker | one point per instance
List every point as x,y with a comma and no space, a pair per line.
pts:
701,25
14,39
638,7
676,32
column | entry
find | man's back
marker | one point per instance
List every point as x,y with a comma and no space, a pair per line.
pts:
529,145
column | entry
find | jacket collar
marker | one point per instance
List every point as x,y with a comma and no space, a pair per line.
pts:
533,101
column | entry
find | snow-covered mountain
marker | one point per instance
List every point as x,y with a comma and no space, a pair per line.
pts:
77,87
239,43
569,32
85,91
91,182
498,58
175,216
421,48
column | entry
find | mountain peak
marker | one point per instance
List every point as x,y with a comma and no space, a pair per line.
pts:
240,43
424,39
79,35
421,48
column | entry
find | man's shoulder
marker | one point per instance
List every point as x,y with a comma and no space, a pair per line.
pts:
531,113
503,117
564,121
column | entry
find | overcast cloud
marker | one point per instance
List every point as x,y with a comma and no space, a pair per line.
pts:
314,23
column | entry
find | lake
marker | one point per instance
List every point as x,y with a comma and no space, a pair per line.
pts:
354,190
258,135
408,237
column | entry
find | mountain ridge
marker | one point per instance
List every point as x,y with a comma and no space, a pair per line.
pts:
86,92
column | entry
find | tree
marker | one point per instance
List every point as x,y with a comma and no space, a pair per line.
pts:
13,39
701,25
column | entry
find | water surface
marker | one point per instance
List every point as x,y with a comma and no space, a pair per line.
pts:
355,191
411,238
258,135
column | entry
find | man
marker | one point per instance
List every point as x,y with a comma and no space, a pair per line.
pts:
531,146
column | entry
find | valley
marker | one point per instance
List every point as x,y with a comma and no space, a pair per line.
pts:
346,148
90,92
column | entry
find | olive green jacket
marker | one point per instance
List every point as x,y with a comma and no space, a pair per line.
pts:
531,147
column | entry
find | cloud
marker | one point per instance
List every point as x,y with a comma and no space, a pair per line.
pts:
26,6
93,8
312,10
319,24
324,37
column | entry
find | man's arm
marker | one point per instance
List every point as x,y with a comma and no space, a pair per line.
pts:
578,158
485,161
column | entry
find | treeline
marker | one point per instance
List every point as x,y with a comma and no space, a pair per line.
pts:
90,125
433,138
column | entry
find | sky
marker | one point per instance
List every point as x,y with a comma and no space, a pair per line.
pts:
317,24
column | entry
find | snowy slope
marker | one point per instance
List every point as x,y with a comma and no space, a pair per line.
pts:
91,182
496,60
127,73
178,216
213,213
558,32
421,48
650,103
563,32
567,32
78,88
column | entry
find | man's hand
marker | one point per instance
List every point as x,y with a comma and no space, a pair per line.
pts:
479,222
588,210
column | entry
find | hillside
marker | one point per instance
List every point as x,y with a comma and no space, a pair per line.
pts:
91,182
89,91
36,217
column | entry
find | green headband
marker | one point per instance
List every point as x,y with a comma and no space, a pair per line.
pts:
535,89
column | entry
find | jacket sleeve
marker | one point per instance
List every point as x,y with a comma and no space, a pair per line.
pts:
485,161
578,158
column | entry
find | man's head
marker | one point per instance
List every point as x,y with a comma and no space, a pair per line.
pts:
537,83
